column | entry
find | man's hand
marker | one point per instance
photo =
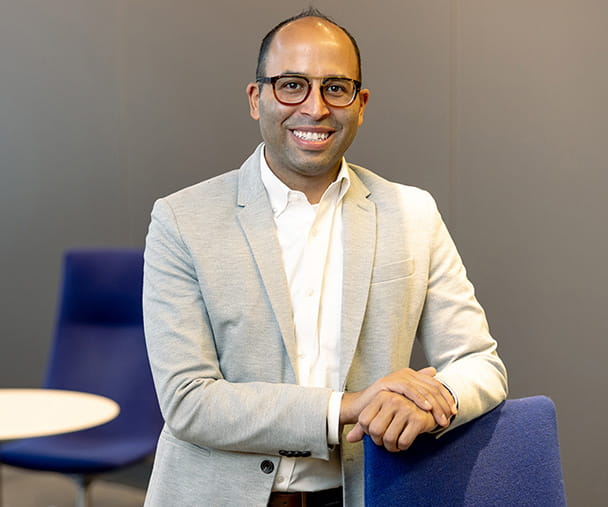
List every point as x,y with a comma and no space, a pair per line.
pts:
420,387
391,421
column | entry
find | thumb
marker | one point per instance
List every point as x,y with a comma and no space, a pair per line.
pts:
356,434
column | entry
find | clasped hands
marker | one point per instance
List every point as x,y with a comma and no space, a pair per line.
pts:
397,408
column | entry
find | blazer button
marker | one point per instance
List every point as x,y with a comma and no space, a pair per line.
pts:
267,466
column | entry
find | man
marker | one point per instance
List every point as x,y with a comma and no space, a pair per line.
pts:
282,300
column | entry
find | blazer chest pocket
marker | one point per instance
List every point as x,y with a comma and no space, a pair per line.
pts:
393,271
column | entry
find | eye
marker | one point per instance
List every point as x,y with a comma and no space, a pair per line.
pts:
291,85
335,88
338,87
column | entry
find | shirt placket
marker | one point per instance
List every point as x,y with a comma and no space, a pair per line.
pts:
314,262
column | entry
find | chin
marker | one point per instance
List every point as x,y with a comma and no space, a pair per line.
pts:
314,166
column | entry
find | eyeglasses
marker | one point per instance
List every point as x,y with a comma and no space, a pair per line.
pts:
293,89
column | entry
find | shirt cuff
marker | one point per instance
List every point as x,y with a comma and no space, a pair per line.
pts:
333,418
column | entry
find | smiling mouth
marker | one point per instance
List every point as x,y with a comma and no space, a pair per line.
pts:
311,136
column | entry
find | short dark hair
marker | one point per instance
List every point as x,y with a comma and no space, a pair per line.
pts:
311,12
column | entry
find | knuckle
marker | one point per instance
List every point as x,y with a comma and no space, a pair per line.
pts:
405,442
390,441
364,423
391,447
394,401
418,418
377,441
376,436
383,394
375,430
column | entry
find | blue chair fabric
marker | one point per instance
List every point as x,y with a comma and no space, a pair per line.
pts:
99,348
507,457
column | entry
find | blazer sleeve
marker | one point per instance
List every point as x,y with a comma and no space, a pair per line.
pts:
454,331
198,404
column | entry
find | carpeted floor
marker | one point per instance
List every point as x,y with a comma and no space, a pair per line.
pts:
24,488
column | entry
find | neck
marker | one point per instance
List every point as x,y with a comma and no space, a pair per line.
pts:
313,187
311,181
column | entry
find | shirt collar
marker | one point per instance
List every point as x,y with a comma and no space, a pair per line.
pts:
278,192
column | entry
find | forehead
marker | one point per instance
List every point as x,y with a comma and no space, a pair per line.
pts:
311,46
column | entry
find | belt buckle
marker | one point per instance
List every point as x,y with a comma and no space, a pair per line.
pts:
293,499
301,498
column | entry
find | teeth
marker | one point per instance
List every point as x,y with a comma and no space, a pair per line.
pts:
311,136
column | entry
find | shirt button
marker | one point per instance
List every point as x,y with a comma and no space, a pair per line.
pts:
267,466
310,292
280,478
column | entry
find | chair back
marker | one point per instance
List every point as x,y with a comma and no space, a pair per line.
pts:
509,456
99,344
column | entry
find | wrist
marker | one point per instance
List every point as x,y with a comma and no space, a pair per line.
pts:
348,408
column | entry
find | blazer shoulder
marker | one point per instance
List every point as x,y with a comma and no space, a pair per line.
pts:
216,191
386,192
210,203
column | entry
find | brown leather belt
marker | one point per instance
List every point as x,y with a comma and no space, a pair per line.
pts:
324,498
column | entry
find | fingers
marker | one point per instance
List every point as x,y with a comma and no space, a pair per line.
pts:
443,406
429,371
424,390
445,393
399,425
391,421
388,424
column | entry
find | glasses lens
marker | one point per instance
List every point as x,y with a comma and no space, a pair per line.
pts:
291,89
338,92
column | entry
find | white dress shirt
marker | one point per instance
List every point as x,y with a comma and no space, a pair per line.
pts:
310,237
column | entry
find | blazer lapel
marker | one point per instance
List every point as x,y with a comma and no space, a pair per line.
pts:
359,219
256,220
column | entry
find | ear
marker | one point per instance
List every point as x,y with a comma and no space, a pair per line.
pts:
363,98
253,94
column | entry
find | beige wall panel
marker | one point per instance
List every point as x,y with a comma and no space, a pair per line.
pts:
530,204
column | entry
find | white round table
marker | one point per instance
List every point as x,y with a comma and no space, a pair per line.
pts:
38,412
28,413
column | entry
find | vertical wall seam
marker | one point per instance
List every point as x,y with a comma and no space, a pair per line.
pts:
453,108
123,123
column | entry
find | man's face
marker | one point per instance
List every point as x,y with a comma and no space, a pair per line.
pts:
307,140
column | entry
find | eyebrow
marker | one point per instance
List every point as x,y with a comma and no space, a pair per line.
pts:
294,73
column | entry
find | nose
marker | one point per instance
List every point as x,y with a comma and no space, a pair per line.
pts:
314,105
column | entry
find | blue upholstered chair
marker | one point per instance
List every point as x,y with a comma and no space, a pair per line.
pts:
508,457
98,348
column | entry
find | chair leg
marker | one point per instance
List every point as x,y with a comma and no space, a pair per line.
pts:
83,497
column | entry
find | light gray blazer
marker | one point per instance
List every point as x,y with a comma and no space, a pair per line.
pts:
221,340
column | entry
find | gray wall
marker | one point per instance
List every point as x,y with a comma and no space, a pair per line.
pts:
497,107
